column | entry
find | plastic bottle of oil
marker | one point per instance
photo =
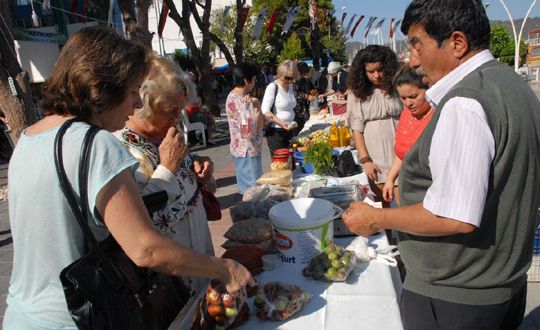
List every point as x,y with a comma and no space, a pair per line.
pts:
333,136
344,135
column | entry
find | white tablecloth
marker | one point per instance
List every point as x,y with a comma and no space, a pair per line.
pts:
321,121
367,300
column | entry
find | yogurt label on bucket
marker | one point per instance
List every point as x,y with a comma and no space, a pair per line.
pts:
302,228
281,241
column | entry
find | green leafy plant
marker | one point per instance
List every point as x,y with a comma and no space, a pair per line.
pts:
320,155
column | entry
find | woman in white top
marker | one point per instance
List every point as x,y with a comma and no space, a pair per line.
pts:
278,106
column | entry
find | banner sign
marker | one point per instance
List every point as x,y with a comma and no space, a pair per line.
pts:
37,36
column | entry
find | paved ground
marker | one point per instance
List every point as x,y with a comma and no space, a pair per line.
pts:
227,194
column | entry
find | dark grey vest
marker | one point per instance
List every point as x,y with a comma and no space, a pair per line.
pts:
488,265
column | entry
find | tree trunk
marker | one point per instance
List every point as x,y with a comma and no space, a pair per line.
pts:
223,48
238,34
316,47
19,111
137,23
141,32
200,57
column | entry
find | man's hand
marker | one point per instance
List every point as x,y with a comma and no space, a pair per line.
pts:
360,219
204,168
172,150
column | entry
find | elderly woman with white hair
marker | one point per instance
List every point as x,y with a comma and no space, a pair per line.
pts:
333,81
164,163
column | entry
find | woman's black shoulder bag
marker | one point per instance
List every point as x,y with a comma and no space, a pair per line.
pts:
104,289
268,128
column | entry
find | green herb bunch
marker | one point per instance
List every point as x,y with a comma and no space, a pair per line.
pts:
320,155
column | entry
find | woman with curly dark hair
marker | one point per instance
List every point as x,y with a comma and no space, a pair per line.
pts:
374,109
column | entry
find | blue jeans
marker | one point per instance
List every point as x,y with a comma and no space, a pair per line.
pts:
248,170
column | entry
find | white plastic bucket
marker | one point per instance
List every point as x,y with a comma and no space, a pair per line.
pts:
302,228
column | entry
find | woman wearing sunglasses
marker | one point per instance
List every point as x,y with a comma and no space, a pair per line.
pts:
278,106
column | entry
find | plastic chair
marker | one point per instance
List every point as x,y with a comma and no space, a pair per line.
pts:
198,126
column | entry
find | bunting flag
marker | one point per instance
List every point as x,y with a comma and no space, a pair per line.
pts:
85,11
348,28
323,19
225,12
74,6
390,31
244,12
256,33
369,24
162,18
272,21
291,16
378,26
356,25
343,18
73,9
46,5
313,14
394,28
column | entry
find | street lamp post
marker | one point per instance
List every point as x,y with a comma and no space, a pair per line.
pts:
517,37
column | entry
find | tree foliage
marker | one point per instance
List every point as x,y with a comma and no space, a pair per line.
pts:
269,47
183,60
502,45
336,45
292,50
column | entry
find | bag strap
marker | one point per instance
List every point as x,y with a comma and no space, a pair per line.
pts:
275,95
80,209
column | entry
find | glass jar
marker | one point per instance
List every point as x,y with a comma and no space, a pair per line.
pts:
281,160
280,163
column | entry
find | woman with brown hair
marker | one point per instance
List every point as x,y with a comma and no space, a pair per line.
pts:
374,109
97,86
414,118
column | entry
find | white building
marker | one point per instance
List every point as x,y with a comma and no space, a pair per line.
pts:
39,57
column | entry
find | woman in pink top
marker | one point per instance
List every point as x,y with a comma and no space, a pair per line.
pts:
415,116
245,126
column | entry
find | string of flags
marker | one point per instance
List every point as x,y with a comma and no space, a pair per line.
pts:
349,29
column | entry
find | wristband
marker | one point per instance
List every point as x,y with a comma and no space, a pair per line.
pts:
366,159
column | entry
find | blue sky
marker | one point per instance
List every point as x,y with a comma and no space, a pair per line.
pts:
396,8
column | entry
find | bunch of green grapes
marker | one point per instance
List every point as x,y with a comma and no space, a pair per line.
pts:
334,264
303,140
318,136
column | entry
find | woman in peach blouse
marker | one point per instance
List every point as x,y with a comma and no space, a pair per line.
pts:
245,126
414,118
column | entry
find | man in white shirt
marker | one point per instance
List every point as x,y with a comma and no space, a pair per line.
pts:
470,185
